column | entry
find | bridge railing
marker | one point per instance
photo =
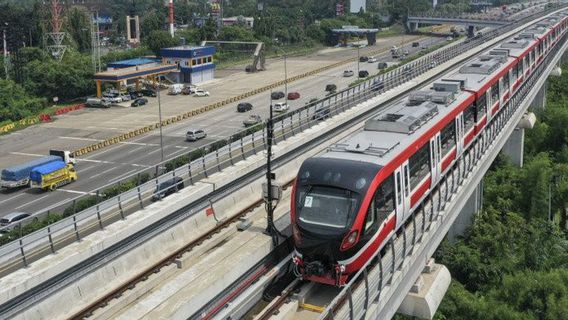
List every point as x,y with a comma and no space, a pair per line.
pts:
375,280
26,249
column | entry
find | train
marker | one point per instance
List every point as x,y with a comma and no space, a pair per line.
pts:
348,202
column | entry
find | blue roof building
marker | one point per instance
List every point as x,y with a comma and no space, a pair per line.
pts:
195,64
131,63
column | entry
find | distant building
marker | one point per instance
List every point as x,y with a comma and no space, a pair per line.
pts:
195,64
247,21
356,6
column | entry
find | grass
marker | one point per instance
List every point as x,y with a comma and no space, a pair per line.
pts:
394,30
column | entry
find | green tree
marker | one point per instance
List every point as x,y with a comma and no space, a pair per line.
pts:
79,28
236,33
159,39
153,21
16,103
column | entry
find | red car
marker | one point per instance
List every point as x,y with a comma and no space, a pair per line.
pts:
293,96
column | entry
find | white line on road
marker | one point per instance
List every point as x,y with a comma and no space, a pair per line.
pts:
151,152
140,144
27,154
12,198
176,152
181,147
36,200
101,173
72,191
122,175
136,149
78,138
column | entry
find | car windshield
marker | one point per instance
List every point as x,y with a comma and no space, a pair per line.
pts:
326,206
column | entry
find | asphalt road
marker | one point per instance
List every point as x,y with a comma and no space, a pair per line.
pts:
115,162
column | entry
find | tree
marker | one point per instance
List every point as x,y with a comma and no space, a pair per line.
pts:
151,22
235,33
79,28
16,103
159,39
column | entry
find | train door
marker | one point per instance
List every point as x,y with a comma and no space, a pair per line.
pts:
435,158
400,191
459,134
406,187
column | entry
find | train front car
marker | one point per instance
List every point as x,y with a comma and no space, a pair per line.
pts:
328,197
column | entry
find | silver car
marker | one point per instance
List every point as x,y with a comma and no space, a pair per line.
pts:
194,135
10,221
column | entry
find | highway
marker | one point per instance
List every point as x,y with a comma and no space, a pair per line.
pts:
116,162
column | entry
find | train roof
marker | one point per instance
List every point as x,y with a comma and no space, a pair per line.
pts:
519,44
398,126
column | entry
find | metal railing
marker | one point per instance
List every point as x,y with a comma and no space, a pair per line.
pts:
23,251
371,283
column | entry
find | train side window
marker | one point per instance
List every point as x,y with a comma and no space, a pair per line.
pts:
448,137
468,118
495,92
515,73
520,67
419,165
506,82
398,189
371,218
384,199
481,106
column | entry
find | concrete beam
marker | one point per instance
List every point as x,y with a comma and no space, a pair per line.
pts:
427,293
473,205
514,147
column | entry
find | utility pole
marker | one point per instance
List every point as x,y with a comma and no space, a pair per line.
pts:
160,118
270,228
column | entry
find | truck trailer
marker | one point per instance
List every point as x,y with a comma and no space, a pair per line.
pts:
52,175
19,176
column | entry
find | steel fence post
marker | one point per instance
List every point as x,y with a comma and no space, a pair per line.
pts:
76,228
230,153
218,160
24,260
139,193
350,297
120,208
50,239
366,291
243,148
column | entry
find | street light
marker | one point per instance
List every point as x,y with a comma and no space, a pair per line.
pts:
160,117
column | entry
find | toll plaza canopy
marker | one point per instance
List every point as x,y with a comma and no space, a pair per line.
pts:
133,69
346,31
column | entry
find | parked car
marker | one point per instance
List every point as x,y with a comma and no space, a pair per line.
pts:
135,94
175,89
277,95
188,90
112,98
331,87
363,58
10,221
372,60
195,134
416,44
149,92
293,95
168,187
244,107
125,97
348,73
139,102
252,120
382,65
201,93
449,38
322,112
281,107
405,52
363,74
97,103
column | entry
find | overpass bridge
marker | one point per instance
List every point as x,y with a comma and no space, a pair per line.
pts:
82,270
414,21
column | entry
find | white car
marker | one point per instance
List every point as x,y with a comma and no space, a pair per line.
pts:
112,99
372,60
201,93
281,107
125,97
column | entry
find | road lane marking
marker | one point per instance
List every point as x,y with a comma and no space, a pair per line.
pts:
136,149
79,138
27,154
152,152
36,200
74,192
140,144
176,152
12,198
122,175
103,172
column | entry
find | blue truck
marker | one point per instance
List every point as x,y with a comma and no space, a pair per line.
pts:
19,176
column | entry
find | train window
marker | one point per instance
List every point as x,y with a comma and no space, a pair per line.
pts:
481,106
448,137
514,73
419,164
520,67
468,118
398,190
371,218
326,206
506,82
495,92
384,199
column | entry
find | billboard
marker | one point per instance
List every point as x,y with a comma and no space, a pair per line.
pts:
356,6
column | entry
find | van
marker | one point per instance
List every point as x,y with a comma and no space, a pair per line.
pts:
168,187
175,89
195,134
97,103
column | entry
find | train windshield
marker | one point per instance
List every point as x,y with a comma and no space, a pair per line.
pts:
326,206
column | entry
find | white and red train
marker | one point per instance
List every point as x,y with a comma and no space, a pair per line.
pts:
348,201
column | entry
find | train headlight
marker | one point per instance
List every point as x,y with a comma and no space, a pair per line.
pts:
350,240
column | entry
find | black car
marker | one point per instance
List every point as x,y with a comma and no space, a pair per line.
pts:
139,102
416,44
363,59
244,107
277,95
135,94
322,112
363,74
377,85
382,65
330,87
168,187
148,92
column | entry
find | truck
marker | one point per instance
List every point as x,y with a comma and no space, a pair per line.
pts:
52,175
175,89
19,176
